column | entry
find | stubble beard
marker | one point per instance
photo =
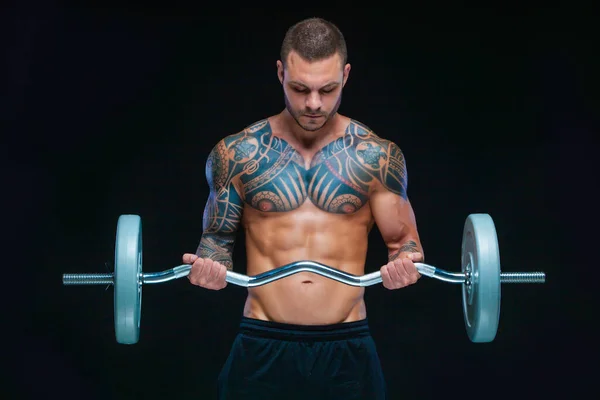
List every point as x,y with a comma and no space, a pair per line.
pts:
311,128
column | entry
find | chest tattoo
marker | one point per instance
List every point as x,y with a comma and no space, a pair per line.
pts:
274,177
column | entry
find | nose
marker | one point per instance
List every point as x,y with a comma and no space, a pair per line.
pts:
313,101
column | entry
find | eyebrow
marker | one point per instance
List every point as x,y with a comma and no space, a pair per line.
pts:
333,83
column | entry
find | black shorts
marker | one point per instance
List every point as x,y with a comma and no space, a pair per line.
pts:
271,360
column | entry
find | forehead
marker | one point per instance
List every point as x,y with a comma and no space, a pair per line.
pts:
314,72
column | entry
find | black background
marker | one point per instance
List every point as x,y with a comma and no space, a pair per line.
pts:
109,110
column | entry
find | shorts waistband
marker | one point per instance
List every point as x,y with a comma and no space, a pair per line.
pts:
283,331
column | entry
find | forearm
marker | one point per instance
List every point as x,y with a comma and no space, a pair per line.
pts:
404,246
217,247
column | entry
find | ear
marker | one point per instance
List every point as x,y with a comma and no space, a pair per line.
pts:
280,72
347,68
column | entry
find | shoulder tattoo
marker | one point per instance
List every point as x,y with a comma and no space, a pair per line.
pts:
382,158
394,176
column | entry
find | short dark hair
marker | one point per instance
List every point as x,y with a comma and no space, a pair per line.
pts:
314,39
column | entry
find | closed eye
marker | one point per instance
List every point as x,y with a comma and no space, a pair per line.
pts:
306,90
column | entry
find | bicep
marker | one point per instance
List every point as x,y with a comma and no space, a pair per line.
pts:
223,210
391,208
394,216
224,206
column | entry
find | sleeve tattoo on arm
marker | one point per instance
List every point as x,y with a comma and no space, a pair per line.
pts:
223,211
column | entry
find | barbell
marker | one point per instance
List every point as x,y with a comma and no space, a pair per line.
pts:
480,277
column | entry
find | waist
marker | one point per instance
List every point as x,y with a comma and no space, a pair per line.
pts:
284,331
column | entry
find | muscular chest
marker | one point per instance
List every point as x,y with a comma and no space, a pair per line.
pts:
279,178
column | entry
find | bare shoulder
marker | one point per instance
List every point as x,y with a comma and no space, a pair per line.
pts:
380,155
254,130
230,154
242,145
368,142
363,133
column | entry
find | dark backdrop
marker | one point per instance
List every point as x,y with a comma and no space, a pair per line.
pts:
111,110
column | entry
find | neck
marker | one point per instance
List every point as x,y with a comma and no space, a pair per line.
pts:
310,139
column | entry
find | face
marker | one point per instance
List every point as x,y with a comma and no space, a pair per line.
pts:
312,90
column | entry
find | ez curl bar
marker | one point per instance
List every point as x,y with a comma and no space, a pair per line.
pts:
480,277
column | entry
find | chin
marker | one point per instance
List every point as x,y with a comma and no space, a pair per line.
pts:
311,128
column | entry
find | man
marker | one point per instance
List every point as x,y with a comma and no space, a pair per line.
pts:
306,184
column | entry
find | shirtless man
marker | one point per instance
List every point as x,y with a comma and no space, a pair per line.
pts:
306,184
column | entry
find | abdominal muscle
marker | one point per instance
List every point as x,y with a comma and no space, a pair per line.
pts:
276,239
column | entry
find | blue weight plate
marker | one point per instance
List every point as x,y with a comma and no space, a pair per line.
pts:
481,258
127,282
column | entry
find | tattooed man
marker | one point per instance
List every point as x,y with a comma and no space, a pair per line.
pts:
306,184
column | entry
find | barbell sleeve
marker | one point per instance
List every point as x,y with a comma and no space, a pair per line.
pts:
88,279
296,267
522,277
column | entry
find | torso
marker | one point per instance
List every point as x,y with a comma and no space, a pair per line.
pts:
300,205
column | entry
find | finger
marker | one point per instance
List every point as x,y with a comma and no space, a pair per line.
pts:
218,276
222,277
196,272
189,258
213,273
410,270
205,272
385,277
397,274
416,257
